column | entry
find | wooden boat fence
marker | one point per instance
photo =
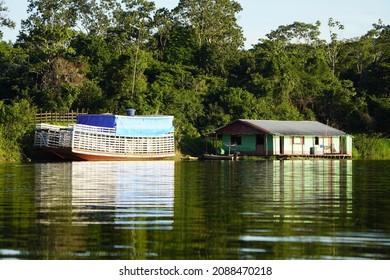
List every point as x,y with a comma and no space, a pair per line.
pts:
58,117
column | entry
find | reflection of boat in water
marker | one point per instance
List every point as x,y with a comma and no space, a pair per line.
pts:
129,194
107,137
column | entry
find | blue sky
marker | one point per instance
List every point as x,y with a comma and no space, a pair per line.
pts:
260,17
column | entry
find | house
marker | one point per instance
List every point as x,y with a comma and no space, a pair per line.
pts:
285,138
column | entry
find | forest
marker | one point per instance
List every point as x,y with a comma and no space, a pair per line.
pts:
190,62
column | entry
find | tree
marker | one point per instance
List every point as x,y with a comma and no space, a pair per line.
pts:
49,26
15,126
177,90
296,33
129,37
97,16
175,43
164,23
214,21
377,78
334,45
96,51
133,24
46,36
215,26
4,21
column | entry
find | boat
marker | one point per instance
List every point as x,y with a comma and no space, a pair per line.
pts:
220,157
222,154
106,137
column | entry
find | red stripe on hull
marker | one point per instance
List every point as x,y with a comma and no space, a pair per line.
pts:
66,154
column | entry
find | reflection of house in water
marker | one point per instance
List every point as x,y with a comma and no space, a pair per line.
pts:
307,212
313,183
133,194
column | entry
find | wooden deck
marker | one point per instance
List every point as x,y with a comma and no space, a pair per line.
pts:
322,156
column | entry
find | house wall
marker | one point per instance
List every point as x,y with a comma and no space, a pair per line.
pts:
347,146
306,145
248,143
270,144
291,145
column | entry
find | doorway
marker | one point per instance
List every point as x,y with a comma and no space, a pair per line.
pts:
281,145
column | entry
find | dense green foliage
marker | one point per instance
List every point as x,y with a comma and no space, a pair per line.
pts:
15,129
189,62
371,147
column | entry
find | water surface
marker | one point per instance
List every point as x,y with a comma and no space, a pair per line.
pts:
299,209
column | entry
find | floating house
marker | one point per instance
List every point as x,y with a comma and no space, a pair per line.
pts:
107,137
285,138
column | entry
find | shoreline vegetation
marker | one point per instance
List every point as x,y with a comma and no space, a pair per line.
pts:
16,140
179,62
365,147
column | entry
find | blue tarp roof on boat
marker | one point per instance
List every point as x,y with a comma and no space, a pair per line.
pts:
97,120
147,126
144,126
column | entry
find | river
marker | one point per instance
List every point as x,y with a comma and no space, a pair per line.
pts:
196,210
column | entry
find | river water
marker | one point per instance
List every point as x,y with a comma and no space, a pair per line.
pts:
196,210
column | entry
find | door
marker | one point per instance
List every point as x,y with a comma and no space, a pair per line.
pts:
281,145
260,148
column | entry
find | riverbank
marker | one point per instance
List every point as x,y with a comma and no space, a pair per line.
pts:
365,146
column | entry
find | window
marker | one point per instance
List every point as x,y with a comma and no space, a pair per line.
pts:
235,139
297,140
316,140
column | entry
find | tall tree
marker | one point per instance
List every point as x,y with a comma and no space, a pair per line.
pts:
46,35
164,23
334,45
4,20
378,73
133,23
129,36
48,29
97,16
296,33
219,37
214,21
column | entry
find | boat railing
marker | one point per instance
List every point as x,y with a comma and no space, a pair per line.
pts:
121,144
56,136
94,129
100,139
46,126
